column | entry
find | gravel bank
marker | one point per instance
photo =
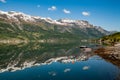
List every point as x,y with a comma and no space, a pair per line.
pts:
110,54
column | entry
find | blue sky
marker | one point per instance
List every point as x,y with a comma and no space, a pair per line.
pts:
104,13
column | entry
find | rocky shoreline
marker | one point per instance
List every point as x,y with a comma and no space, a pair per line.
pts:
110,53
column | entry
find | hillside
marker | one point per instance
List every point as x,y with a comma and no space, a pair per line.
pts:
17,25
113,38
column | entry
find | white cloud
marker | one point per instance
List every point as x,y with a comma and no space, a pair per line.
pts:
67,70
38,6
52,73
86,67
85,13
66,11
3,1
52,8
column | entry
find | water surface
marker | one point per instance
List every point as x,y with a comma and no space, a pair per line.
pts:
54,62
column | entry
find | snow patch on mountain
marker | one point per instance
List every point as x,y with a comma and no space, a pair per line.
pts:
16,15
69,23
19,15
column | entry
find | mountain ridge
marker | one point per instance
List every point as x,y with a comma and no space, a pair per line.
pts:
18,23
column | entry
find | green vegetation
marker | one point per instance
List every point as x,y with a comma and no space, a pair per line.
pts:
111,38
31,32
44,31
38,52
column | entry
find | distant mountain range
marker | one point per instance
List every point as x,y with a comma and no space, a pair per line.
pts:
18,25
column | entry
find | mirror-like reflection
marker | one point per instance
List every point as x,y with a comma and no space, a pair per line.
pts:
13,57
50,59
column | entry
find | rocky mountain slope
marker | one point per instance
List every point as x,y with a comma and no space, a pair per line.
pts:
17,25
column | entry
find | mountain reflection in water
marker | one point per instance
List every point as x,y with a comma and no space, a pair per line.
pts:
52,60
17,57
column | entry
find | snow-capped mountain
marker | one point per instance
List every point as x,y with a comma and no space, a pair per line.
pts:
66,22
16,16
21,21
19,15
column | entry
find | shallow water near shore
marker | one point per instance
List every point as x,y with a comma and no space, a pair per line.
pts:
54,62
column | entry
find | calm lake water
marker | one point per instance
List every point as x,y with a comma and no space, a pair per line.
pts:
36,61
